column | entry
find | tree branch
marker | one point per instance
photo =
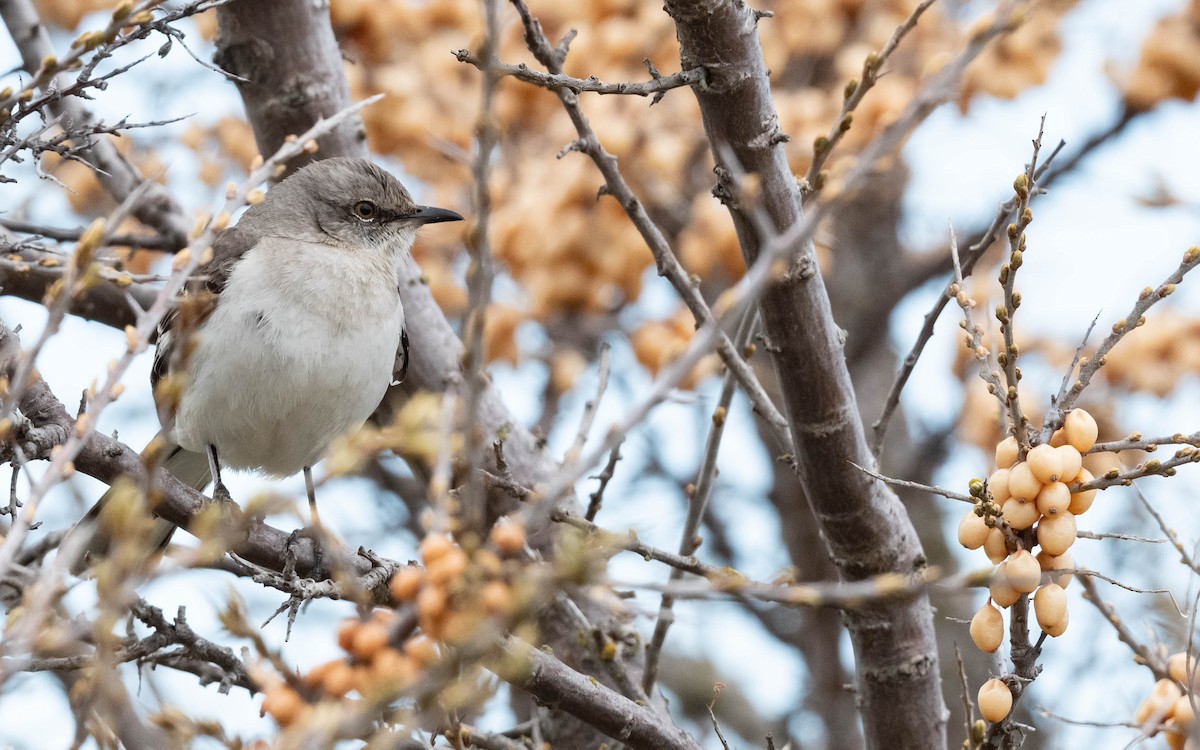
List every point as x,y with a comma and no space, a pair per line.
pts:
865,527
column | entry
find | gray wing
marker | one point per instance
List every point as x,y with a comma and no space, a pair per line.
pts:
199,298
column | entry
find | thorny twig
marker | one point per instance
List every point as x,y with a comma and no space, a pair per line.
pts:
1026,188
1184,556
1136,442
657,86
855,91
726,582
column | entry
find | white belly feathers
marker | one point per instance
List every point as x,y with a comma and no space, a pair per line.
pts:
271,391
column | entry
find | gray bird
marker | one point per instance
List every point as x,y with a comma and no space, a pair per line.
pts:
297,330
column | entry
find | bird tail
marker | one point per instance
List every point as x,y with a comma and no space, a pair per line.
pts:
91,540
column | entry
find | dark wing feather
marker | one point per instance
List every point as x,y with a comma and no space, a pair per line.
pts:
400,370
199,298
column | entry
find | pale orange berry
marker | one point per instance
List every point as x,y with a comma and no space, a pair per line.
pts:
370,639
1054,498
1051,563
1181,668
346,633
997,485
338,680
1002,591
1024,573
431,604
1160,704
1022,484
406,583
421,649
283,704
1081,429
447,567
496,598
995,700
1058,438
1020,514
1006,452
1045,463
1056,534
459,627
1072,462
1176,739
995,547
1184,713
1050,606
508,537
972,531
1081,501
390,671
434,547
987,628
316,675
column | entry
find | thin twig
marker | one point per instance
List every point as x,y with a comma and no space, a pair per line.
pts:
1054,415
988,368
145,242
951,494
479,281
855,91
1153,467
656,86
605,476
1173,537
697,503
1136,442
722,583
1026,188
589,408
1147,655
974,254
968,704
1135,318
666,262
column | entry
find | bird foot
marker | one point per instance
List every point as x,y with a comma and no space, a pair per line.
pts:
320,539
221,493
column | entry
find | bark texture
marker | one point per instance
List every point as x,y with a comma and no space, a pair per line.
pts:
865,528
287,54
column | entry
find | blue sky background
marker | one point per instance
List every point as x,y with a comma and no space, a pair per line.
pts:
1092,248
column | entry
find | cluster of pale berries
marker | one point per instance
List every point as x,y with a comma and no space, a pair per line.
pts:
455,594
1030,494
1170,705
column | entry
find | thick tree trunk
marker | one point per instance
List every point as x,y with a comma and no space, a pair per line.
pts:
864,525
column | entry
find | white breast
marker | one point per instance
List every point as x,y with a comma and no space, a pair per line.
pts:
291,359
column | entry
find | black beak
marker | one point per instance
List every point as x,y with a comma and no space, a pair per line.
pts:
430,215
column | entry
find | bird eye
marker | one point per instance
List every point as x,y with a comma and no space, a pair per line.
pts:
365,210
